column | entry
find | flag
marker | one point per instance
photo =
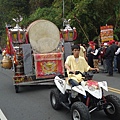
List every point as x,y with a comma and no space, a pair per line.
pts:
8,43
9,46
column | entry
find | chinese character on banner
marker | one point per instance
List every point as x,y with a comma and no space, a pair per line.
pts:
106,33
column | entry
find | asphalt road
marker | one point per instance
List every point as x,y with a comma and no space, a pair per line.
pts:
32,103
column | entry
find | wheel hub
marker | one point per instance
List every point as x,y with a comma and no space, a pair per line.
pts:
53,100
111,108
76,115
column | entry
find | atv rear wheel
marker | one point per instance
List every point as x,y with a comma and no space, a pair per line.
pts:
79,111
113,108
55,99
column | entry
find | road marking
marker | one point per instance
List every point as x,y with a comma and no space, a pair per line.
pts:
2,116
114,90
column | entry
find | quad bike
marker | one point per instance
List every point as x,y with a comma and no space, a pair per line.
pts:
84,98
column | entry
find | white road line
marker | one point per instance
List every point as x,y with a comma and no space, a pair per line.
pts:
2,116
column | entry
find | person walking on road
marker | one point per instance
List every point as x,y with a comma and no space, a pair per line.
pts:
117,53
95,53
109,56
104,48
89,54
115,46
82,52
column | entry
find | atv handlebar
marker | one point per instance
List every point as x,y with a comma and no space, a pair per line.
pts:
94,71
76,73
86,75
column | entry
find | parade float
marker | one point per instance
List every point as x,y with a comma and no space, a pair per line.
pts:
35,54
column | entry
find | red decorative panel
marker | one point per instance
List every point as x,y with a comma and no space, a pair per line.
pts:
48,64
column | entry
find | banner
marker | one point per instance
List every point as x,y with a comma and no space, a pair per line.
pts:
106,33
9,46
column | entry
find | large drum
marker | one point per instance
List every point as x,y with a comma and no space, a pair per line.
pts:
44,36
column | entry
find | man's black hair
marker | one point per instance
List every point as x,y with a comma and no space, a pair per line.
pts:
75,47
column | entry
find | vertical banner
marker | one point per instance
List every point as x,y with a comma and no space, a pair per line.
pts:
9,46
106,33
8,50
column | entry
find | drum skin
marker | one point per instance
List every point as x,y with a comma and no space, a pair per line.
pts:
43,35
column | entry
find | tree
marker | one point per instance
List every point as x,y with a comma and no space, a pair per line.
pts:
91,14
11,9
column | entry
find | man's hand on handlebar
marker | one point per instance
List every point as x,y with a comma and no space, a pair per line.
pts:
96,70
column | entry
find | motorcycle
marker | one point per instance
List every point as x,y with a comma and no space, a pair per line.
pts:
84,98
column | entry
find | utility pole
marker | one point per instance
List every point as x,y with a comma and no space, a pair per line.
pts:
63,11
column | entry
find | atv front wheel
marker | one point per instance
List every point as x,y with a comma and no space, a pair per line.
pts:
113,108
55,99
79,111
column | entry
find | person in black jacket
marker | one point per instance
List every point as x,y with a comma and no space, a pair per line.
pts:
115,46
89,54
109,56
117,53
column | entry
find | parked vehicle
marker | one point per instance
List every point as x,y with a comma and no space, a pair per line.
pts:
85,98
35,53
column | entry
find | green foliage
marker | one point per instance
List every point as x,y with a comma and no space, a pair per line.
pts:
91,14
43,13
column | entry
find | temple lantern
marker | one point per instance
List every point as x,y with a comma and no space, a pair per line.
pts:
69,33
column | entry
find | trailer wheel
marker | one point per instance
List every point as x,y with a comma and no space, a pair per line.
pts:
16,88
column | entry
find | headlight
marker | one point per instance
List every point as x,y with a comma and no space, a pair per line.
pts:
92,85
92,88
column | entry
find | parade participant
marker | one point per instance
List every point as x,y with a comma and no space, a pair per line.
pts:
109,56
101,53
104,60
95,53
115,46
89,55
82,52
75,63
117,53
4,52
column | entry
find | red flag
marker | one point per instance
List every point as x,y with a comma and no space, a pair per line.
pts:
8,43
9,46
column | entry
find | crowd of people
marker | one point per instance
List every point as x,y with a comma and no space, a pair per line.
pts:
107,54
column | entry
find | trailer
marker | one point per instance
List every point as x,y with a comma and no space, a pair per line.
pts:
35,54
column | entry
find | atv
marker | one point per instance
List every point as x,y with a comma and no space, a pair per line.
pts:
84,98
